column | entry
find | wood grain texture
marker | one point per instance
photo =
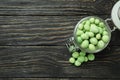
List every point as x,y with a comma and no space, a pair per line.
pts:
32,37
52,61
55,7
56,79
42,30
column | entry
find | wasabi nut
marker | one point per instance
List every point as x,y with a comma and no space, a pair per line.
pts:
97,21
92,20
82,53
79,39
75,54
105,38
101,44
86,59
84,36
101,24
93,41
72,60
98,36
72,49
79,32
88,22
85,44
94,28
77,63
105,33
91,34
100,30
86,27
81,59
84,22
80,26
91,57
91,47
87,33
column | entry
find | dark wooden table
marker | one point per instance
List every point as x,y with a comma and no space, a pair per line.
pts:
32,37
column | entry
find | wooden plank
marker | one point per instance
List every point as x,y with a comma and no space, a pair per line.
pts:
42,30
52,61
56,79
34,30
56,7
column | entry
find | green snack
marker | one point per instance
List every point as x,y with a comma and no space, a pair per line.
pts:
82,53
105,33
79,32
86,27
91,57
84,36
105,38
75,54
98,36
81,59
77,63
79,39
87,33
80,26
87,22
72,49
92,20
84,22
92,47
86,59
101,24
94,28
93,41
91,34
85,44
104,29
101,44
72,60
100,30
97,21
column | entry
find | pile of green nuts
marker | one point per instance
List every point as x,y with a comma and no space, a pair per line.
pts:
92,35
79,57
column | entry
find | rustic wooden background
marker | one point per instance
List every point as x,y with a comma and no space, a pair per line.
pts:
32,37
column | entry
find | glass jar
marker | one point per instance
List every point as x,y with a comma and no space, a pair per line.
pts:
115,18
